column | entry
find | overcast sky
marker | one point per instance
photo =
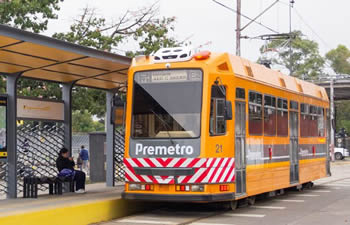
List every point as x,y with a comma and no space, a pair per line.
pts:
204,21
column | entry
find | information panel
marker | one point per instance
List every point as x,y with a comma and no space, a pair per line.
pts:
3,127
39,109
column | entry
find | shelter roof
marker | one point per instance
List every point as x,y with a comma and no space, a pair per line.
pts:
44,58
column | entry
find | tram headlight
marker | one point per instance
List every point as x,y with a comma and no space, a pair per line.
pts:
141,187
134,187
197,188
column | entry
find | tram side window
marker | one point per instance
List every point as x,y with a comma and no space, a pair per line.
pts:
293,105
217,113
255,114
269,115
240,93
320,122
304,120
282,117
313,132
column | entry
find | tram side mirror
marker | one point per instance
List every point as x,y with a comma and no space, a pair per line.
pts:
228,110
118,111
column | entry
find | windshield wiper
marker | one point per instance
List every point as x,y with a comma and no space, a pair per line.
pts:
165,125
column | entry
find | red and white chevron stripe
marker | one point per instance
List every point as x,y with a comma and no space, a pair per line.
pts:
207,170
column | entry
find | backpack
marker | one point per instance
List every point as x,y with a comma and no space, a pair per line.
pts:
66,173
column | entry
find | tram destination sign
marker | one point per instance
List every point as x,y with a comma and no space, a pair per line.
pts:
166,76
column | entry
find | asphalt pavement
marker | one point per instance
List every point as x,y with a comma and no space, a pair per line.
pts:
327,203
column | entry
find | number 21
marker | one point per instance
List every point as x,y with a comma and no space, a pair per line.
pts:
218,148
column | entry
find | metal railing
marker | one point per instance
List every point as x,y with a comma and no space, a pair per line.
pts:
119,145
3,178
37,151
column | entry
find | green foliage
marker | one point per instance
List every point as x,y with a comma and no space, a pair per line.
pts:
343,115
2,84
42,89
96,31
2,117
155,35
92,100
83,122
306,61
89,31
339,59
28,14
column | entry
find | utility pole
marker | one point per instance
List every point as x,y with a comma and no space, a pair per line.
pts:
251,20
238,29
332,117
291,2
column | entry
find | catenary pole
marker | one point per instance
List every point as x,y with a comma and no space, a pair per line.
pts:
290,36
238,29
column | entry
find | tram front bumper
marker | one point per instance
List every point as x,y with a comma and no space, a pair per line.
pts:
179,197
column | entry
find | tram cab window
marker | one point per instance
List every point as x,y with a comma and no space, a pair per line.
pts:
282,117
217,111
269,115
165,105
255,114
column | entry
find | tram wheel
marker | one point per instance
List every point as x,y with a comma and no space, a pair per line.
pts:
308,185
233,205
251,200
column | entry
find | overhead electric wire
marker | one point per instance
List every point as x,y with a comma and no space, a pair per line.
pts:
225,6
255,18
307,24
312,30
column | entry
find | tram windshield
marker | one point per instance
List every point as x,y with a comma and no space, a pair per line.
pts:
167,104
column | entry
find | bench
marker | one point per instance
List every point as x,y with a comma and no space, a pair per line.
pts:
30,185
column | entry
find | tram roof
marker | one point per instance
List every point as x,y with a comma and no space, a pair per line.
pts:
44,58
263,74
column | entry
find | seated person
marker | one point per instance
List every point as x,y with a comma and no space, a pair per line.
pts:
66,164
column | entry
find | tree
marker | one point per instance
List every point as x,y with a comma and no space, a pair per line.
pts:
343,115
42,89
339,59
30,15
305,62
83,122
94,100
155,35
95,31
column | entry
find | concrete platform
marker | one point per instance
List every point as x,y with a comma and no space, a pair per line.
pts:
100,203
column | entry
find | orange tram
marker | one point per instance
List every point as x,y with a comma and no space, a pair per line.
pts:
218,128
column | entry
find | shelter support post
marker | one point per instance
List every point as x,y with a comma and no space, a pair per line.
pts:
332,118
110,130
67,99
12,134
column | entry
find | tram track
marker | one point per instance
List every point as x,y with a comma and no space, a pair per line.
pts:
198,214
